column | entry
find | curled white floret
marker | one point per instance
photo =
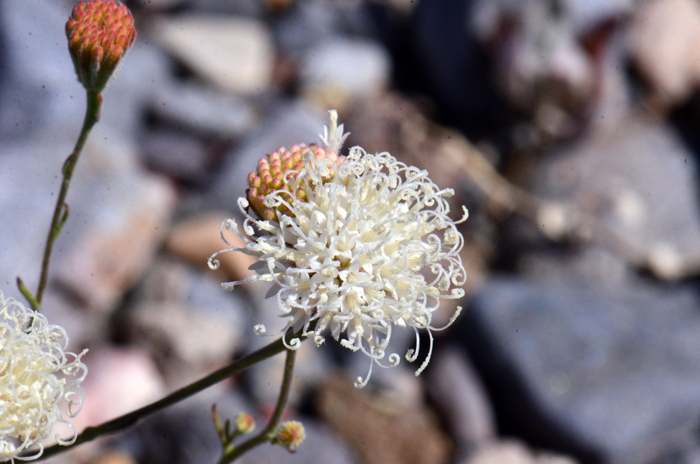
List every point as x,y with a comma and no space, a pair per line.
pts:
371,247
36,375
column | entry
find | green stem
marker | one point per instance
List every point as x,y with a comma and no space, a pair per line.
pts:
60,214
269,432
122,422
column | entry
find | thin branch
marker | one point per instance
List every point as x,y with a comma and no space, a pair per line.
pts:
60,214
127,420
269,432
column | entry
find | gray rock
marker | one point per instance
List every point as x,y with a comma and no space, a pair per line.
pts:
118,220
321,446
352,68
41,95
187,320
40,92
185,434
607,375
27,210
203,110
640,181
457,390
307,24
176,154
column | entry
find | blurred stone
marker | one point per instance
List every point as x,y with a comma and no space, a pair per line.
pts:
235,54
176,154
307,24
568,366
666,47
185,315
289,123
203,110
452,61
338,71
197,238
591,265
639,180
160,5
27,211
382,430
114,457
120,380
312,363
514,452
124,222
185,434
39,92
321,446
247,8
145,71
460,396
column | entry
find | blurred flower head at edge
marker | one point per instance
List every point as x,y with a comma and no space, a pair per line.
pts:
356,244
36,375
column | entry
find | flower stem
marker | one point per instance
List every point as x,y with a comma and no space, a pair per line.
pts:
269,432
129,419
60,214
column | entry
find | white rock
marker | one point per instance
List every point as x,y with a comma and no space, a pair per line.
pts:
235,54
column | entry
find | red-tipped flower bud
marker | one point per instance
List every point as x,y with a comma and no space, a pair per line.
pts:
99,34
278,171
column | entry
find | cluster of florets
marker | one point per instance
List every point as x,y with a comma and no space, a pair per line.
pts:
364,244
99,34
290,434
36,374
277,172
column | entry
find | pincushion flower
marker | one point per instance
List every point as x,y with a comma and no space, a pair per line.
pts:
354,245
36,374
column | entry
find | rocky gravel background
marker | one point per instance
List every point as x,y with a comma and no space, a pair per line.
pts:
569,128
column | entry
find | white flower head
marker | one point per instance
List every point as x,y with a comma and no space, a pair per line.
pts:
36,374
356,245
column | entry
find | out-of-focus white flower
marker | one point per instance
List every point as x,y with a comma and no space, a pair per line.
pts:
36,374
357,244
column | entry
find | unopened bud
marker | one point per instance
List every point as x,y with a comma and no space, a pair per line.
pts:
278,171
245,423
99,34
290,435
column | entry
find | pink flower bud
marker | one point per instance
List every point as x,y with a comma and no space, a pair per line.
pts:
99,34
